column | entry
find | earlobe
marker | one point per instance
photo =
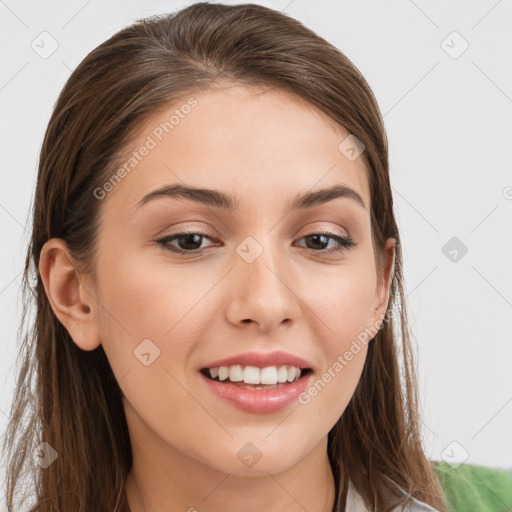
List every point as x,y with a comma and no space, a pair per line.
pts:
69,300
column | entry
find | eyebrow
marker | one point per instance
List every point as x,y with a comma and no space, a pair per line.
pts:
228,202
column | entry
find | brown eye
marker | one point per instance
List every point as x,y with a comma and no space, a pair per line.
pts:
188,242
319,241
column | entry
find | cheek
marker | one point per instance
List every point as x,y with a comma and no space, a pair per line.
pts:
147,334
144,297
133,309
346,306
152,316
344,319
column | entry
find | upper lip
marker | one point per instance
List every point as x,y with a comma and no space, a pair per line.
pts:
262,360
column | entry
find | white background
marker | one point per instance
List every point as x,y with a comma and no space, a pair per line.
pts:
449,124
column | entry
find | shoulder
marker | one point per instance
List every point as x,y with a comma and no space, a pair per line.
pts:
355,502
413,505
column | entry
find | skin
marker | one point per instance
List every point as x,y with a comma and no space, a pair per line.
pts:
264,146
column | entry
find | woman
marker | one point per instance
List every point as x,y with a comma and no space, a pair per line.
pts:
219,282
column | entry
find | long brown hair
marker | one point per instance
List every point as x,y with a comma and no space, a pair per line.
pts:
68,397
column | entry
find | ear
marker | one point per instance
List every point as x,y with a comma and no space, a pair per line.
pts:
72,304
384,282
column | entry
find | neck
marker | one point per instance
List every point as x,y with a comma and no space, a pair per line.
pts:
162,475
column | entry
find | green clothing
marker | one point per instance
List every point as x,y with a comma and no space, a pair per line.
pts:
472,488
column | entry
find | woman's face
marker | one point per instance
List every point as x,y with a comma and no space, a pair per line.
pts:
257,278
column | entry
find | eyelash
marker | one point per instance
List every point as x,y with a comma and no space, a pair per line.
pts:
345,243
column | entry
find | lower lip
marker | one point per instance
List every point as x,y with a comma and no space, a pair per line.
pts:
259,401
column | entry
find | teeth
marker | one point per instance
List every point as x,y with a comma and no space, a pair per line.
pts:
292,375
269,375
282,374
252,375
223,372
236,373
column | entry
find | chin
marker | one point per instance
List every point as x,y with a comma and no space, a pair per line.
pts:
248,460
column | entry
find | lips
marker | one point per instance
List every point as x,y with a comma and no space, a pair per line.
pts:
270,399
262,360
258,382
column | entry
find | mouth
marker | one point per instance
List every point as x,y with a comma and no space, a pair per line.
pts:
253,377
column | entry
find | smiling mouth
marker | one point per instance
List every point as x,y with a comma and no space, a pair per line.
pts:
256,378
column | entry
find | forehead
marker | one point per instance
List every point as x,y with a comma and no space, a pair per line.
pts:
253,142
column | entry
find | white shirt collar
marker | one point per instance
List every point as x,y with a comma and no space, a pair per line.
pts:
355,502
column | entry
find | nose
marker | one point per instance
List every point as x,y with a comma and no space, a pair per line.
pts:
262,286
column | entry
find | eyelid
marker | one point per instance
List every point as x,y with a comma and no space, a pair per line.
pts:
322,229
207,230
